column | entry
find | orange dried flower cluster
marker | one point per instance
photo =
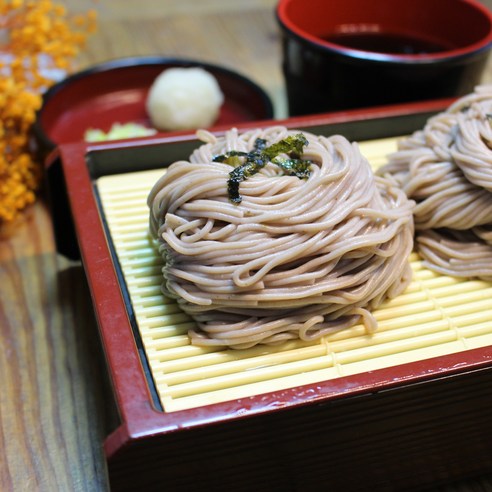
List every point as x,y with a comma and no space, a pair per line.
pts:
35,36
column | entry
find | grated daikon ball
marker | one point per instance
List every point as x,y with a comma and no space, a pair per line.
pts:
184,99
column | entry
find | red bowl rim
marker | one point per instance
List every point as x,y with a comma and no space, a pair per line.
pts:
442,56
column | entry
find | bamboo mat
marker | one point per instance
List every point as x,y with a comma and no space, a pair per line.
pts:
436,315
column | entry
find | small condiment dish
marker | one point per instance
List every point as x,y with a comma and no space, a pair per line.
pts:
116,92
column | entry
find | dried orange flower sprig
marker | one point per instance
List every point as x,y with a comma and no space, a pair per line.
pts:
36,36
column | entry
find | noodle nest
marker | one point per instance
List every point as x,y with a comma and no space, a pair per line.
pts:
447,169
297,258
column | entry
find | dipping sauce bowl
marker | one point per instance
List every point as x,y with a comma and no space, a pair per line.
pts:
344,54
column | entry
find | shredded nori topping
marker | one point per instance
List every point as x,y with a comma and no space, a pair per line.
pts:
286,154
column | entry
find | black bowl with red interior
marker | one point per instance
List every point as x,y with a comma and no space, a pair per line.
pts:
343,54
116,91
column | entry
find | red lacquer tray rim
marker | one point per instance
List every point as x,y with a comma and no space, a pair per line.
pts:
139,416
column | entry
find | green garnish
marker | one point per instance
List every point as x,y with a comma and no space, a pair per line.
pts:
286,154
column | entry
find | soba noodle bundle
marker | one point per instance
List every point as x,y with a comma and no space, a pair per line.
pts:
297,258
460,253
447,169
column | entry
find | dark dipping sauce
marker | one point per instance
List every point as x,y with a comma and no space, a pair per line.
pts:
383,42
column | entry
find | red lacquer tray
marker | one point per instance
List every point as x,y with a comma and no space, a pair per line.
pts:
403,427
